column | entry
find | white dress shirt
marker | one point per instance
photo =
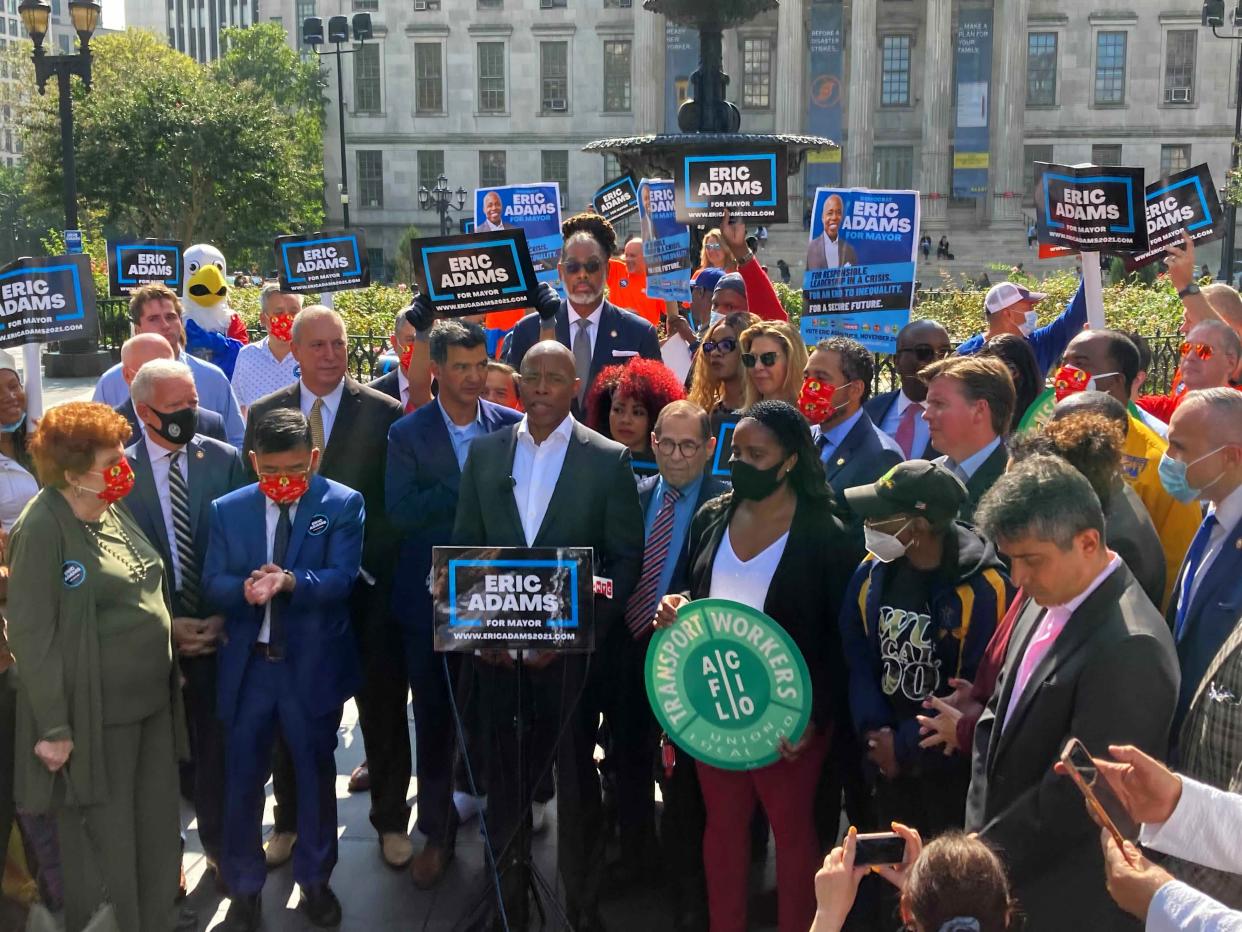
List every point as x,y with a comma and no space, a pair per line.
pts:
327,413
892,420
271,515
17,487
832,252
1228,514
536,468
592,330
404,385
160,464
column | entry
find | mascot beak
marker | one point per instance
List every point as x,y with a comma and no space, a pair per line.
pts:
207,286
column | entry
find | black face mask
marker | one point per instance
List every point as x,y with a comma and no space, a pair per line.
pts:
176,426
754,484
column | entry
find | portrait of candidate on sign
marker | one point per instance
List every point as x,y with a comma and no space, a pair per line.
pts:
475,273
750,185
317,262
666,242
513,598
138,262
534,209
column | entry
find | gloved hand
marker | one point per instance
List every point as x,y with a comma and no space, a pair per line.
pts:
548,303
420,314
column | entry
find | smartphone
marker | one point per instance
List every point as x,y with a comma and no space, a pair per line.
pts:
879,848
1104,804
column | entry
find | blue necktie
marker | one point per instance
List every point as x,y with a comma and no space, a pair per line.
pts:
1194,556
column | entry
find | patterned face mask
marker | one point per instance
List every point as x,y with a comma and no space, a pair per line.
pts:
118,482
284,488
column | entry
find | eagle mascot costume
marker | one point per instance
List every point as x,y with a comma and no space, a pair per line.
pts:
213,330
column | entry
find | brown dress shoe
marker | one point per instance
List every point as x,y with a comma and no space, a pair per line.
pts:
428,867
279,849
360,779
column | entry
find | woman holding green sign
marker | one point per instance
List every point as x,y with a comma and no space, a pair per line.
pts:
774,544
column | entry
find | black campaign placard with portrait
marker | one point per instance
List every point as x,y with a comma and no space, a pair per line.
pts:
1090,208
474,273
46,299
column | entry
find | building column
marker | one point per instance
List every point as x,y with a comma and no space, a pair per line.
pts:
937,109
791,53
859,132
647,64
1009,112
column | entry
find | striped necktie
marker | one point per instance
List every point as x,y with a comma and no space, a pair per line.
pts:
640,609
189,596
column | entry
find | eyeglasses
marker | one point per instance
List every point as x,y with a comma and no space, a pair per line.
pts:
573,266
712,247
925,353
768,359
1202,350
725,346
687,448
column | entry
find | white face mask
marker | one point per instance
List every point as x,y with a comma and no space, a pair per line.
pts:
1029,324
884,547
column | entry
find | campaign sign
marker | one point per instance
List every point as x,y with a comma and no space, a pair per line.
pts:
1185,202
666,241
513,598
724,448
860,266
322,262
534,209
47,299
726,683
473,273
134,263
1090,208
617,199
751,185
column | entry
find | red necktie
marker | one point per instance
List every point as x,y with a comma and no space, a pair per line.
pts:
905,428
640,610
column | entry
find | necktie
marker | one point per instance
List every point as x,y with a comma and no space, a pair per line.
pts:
582,357
280,544
189,596
821,444
1194,557
316,425
905,429
642,604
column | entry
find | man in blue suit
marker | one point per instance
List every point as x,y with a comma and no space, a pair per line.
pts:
177,474
602,333
426,452
281,564
899,413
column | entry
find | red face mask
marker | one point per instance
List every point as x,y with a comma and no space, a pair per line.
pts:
815,400
280,327
404,353
284,488
1069,380
118,481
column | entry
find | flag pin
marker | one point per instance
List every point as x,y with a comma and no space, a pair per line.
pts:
200,455
841,461
613,334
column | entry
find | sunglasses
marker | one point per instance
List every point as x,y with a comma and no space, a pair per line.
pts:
725,346
924,353
712,247
1202,350
768,359
573,266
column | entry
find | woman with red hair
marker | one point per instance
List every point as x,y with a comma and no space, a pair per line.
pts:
624,403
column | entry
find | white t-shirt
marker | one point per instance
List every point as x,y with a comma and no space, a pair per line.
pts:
745,581
17,487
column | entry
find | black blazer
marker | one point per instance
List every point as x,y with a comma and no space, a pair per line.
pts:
388,384
210,424
1128,530
804,596
356,452
709,488
213,469
1110,677
594,504
877,407
860,459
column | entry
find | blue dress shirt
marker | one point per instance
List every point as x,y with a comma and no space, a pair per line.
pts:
461,437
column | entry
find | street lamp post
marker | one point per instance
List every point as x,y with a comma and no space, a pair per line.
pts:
339,28
442,200
1214,16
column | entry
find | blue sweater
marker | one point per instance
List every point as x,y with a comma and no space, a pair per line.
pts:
1048,342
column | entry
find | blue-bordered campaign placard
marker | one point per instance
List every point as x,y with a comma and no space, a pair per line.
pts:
46,299
617,199
133,263
513,598
860,265
753,186
475,273
724,447
317,262
1090,208
666,241
1184,202
535,209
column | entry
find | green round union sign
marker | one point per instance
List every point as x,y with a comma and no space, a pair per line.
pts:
726,683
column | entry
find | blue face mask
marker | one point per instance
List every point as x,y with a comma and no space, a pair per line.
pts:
12,428
1173,477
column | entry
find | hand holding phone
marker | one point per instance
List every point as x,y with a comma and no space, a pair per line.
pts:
878,848
1102,803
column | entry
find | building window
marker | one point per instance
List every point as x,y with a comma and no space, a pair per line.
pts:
370,177
895,72
302,10
1174,158
1041,69
1110,68
1179,67
367,78
612,168
1106,155
552,4
491,168
430,167
894,166
1031,155
428,78
757,73
555,164
618,4
430,5
491,77
617,79
554,76
491,4
371,6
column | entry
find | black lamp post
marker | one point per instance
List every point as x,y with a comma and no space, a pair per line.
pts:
339,28
1214,16
442,200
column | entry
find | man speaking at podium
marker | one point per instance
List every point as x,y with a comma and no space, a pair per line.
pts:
547,481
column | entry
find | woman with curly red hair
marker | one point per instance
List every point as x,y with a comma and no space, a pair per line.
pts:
625,401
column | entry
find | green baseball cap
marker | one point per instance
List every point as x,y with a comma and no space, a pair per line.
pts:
915,487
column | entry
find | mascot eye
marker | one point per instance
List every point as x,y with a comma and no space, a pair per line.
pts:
193,267
220,266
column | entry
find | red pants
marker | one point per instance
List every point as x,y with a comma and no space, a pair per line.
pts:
787,791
